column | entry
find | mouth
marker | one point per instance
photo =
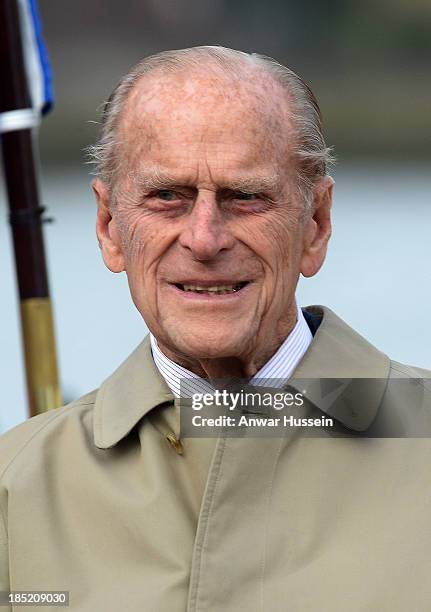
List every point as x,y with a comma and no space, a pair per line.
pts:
211,288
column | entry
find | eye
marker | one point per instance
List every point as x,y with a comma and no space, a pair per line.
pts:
245,197
167,195
246,201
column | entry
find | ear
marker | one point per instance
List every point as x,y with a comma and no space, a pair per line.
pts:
317,230
106,229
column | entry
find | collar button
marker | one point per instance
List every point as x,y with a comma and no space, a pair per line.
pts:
175,443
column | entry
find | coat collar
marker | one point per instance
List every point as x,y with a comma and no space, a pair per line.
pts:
337,353
352,374
134,389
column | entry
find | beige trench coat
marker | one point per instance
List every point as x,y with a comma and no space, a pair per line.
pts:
96,501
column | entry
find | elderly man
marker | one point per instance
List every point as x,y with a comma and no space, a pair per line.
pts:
213,197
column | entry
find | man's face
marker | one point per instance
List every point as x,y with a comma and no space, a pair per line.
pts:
207,222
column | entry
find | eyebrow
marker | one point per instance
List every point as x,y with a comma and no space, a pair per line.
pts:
154,177
254,184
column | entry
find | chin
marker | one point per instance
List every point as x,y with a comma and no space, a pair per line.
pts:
214,344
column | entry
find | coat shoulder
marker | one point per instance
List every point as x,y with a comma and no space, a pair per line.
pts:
36,429
411,383
405,410
402,370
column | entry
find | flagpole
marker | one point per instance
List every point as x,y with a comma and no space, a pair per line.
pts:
17,126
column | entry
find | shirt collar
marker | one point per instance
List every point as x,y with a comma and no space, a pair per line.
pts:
336,352
278,368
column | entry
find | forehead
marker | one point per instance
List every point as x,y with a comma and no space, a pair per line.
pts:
177,119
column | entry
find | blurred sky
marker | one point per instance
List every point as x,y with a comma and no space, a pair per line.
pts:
369,65
369,61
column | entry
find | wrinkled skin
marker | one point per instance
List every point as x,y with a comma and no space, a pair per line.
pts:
206,192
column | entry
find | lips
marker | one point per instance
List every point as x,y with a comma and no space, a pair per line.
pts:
211,287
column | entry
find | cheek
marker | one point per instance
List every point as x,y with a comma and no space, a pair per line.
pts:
286,236
274,241
135,246
137,236
146,242
277,245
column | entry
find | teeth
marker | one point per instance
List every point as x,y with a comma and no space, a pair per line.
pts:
218,289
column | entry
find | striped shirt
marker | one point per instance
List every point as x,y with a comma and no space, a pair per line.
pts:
274,373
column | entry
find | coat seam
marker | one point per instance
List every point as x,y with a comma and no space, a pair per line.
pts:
265,538
5,531
98,419
5,544
195,587
3,520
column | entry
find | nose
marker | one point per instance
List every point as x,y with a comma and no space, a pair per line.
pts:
206,231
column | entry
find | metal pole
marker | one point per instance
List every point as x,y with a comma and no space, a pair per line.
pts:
26,223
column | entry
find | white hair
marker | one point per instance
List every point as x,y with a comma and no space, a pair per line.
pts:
312,155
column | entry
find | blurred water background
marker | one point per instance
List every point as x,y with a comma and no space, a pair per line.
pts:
369,64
